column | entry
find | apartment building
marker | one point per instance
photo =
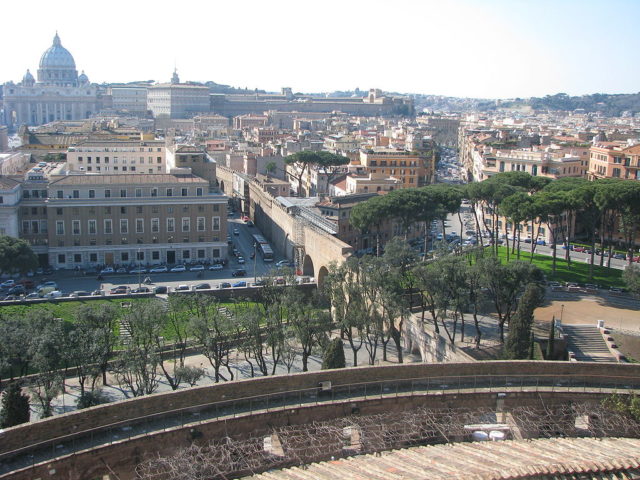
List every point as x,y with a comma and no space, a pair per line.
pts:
413,170
82,220
534,162
117,156
614,160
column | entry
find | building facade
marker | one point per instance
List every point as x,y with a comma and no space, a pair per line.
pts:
83,220
117,156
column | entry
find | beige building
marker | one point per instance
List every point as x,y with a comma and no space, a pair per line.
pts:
117,156
129,99
177,100
410,168
82,220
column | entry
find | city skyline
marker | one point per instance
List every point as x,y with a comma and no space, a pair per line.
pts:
493,49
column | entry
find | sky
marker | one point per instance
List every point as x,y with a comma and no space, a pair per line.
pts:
463,48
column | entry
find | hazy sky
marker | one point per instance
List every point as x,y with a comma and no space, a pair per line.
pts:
481,48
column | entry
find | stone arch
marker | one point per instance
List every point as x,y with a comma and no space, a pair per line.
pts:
322,274
307,266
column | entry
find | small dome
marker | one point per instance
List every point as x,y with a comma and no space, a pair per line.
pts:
57,56
82,78
28,79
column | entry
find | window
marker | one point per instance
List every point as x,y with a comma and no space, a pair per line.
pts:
123,210
108,226
93,227
93,257
59,227
138,192
123,193
616,172
124,225
60,194
155,225
35,226
169,209
138,209
200,224
201,253
184,192
171,224
169,192
155,255
62,258
77,258
92,194
186,254
199,192
216,208
155,209
107,193
75,226
186,224
139,225
216,253
154,192
25,226
215,224
140,255
201,208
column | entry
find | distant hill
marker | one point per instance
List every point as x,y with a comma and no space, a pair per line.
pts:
610,104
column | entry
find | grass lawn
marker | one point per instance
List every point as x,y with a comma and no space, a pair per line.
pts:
577,271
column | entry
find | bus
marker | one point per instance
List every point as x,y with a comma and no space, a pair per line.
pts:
263,247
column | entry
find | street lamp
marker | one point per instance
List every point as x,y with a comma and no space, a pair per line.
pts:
255,261
139,271
561,312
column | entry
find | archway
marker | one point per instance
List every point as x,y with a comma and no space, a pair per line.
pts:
307,266
322,274
222,186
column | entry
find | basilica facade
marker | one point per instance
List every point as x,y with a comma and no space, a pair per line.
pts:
59,93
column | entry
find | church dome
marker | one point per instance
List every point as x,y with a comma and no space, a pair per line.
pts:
28,79
57,56
83,79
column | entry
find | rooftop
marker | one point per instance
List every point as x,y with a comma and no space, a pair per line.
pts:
126,179
550,458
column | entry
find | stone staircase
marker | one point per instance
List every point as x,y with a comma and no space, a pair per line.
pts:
586,342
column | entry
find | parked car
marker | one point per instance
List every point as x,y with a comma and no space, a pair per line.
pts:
8,283
239,272
140,290
284,263
107,270
159,269
620,256
53,294
197,268
45,285
236,231
32,295
179,268
17,290
240,260
259,283
119,290
579,249
202,286
540,242
121,270
26,283
138,270
216,266
160,289
181,288
224,285
80,293
239,284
